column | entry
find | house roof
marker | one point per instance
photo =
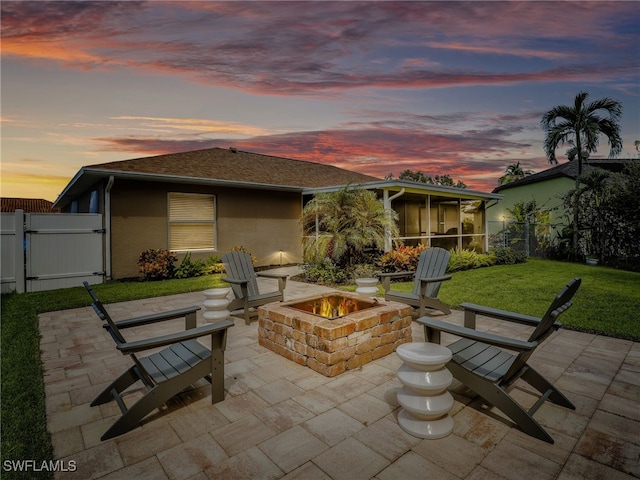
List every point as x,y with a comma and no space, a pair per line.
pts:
217,166
567,170
28,205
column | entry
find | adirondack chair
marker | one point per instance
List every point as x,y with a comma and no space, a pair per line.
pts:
164,373
481,363
429,275
244,284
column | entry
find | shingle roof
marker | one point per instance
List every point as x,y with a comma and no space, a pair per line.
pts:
28,205
238,166
568,169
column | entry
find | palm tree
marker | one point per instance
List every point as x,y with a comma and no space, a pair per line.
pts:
341,224
580,126
512,173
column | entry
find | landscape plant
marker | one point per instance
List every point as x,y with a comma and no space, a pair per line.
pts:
580,126
157,264
343,225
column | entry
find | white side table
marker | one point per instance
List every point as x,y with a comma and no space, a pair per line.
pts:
424,398
216,304
367,286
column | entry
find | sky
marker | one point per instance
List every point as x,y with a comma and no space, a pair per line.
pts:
442,87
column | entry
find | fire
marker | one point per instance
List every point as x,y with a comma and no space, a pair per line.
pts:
335,306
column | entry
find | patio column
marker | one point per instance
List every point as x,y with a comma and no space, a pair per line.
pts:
386,202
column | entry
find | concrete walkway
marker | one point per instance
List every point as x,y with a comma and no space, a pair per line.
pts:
282,420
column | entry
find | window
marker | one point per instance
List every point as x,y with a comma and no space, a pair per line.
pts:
191,221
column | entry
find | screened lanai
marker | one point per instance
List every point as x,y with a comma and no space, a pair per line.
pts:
433,215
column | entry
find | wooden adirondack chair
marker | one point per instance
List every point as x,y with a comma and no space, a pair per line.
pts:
167,372
243,281
481,363
429,275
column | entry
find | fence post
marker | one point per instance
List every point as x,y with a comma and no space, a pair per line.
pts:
19,251
526,237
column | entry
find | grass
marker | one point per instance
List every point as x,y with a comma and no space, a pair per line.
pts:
605,304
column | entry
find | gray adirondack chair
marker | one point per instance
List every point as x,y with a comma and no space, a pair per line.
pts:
480,360
164,373
243,280
429,275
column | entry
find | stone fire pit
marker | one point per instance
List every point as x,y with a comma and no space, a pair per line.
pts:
334,332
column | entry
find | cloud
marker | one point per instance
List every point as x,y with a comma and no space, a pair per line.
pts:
476,156
294,48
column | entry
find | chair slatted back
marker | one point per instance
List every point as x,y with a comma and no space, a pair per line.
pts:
560,304
103,315
238,265
433,262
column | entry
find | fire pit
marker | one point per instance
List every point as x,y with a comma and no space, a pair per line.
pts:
334,332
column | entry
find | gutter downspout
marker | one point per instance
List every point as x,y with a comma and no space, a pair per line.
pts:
386,202
107,225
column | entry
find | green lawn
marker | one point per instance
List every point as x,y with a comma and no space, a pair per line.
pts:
606,303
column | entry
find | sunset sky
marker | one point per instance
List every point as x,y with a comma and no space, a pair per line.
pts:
442,87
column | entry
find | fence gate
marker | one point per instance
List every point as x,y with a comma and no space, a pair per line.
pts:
63,250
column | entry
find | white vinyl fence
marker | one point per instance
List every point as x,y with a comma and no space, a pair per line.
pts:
46,251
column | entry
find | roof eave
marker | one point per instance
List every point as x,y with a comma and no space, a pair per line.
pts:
94,175
415,186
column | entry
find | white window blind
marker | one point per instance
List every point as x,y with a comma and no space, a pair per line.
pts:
191,221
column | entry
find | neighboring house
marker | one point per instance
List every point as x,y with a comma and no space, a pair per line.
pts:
547,189
208,201
27,205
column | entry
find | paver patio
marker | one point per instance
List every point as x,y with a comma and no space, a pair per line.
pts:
283,420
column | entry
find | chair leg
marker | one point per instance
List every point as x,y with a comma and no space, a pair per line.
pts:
120,384
541,384
500,399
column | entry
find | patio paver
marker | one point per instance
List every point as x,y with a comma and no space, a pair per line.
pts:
282,420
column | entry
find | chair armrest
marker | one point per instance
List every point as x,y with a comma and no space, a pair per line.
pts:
160,317
395,274
235,281
432,325
282,279
146,344
471,310
272,275
387,276
435,279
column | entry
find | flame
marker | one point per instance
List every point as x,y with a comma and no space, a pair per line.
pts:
335,306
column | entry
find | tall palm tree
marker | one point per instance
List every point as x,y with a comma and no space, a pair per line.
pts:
580,126
512,173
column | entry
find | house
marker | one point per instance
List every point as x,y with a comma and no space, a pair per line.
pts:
547,189
27,205
208,201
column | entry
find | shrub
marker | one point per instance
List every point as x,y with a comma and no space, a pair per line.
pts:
401,259
363,270
214,265
240,248
190,268
157,264
508,256
468,259
325,273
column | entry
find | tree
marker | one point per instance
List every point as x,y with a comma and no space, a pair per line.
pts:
512,173
340,225
444,180
580,126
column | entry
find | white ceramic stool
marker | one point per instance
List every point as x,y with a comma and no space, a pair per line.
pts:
216,304
424,398
367,286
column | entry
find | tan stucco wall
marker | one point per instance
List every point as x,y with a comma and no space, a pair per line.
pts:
264,222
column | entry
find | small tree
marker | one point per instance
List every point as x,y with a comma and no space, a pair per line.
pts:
341,225
580,126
